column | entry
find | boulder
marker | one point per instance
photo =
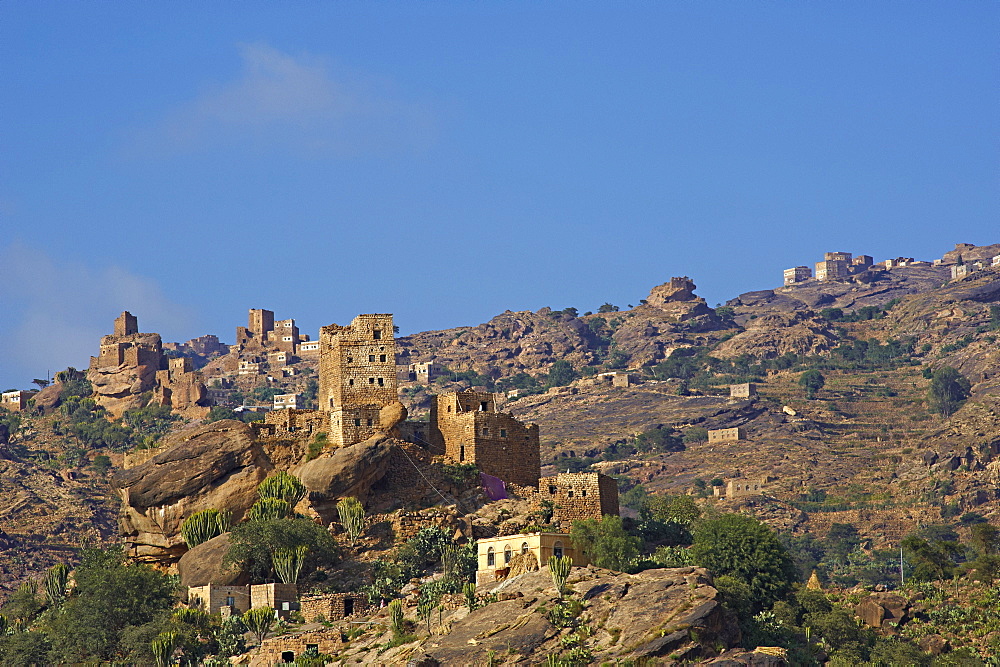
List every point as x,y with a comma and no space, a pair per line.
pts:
870,612
217,465
203,565
346,471
391,416
48,399
934,644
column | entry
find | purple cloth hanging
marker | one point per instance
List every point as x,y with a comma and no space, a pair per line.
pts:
494,486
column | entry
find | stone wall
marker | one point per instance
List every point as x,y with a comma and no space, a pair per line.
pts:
333,606
745,390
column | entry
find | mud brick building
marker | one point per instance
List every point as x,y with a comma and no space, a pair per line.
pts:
725,435
467,427
578,496
333,606
496,553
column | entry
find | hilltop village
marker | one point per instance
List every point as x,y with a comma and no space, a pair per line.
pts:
439,481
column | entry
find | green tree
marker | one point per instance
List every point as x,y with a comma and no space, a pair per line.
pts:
947,391
608,308
605,542
560,374
110,595
812,381
288,563
251,545
55,584
748,550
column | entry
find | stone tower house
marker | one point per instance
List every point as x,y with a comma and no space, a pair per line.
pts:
467,428
357,375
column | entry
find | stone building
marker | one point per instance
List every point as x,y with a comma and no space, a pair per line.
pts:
467,427
284,649
745,390
831,269
797,274
615,379
578,496
496,553
862,262
290,422
725,435
357,376
333,606
283,598
132,363
837,257
216,599
422,372
736,488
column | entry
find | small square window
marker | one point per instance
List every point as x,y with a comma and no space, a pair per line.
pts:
357,422
381,357
369,422
371,380
371,357
377,334
503,433
381,382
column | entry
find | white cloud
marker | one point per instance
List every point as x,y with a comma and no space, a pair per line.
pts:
280,102
55,312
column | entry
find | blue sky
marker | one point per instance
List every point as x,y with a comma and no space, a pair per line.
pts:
447,161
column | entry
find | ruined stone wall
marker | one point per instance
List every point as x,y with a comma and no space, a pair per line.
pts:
295,423
284,649
357,364
126,324
333,606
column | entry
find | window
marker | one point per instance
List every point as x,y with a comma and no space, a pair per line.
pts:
569,494
491,557
350,360
230,601
377,334
371,357
371,380
381,382
461,453
552,490
369,422
381,357
486,431
483,406
503,433
351,382
584,493
524,547
357,422
507,553
557,549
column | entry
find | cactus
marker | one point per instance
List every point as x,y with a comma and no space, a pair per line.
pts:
396,616
163,648
55,584
258,621
204,525
559,567
269,508
352,518
282,486
469,590
288,563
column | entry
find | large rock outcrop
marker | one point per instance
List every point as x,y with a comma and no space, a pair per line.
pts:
218,465
775,334
204,565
